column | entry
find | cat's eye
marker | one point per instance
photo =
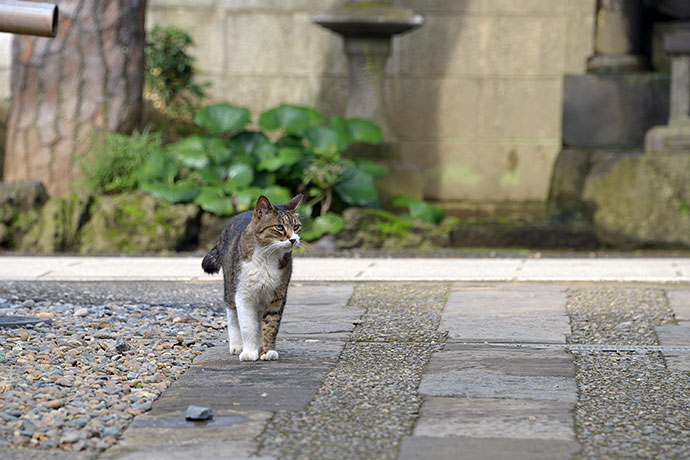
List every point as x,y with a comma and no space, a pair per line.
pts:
280,228
295,228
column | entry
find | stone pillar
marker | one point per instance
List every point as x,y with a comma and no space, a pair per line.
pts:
366,62
675,136
619,39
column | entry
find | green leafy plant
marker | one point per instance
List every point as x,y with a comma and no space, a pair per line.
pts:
112,164
418,209
226,166
169,80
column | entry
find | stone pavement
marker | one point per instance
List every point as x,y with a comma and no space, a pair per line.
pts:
424,358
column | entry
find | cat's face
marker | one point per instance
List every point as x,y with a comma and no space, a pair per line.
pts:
277,226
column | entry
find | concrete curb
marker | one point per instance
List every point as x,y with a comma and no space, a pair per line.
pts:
651,270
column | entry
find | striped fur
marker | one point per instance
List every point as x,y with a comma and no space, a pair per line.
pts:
255,253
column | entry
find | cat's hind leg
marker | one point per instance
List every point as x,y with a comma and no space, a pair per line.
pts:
234,335
270,326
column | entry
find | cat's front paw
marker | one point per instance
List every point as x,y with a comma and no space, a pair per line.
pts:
249,355
270,355
235,349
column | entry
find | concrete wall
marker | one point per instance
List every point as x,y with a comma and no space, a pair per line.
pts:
474,95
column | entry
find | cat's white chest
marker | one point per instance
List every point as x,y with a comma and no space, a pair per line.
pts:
259,279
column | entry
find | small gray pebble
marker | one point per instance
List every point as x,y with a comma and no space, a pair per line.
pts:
197,413
81,312
111,431
70,437
80,422
28,303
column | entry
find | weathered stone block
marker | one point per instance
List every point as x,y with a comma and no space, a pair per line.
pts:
211,228
372,228
613,110
137,222
460,55
20,196
523,108
568,178
454,100
524,45
249,53
640,200
58,225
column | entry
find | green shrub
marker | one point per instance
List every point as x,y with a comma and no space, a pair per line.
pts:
169,81
227,167
112,165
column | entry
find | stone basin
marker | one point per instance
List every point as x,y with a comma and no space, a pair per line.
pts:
369,20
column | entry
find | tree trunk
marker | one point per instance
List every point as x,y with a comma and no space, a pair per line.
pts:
68,89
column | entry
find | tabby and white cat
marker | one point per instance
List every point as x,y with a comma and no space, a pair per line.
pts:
255,252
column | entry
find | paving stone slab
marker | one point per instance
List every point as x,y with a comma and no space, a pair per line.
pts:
495,418
533,313
675,335
511,299
154,438
542,328
468,448
335,295
219,380
482,372
680,303
554,362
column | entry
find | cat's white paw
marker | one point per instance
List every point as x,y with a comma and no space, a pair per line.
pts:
235,349
270,355
249,355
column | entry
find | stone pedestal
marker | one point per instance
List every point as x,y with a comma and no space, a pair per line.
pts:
675,136
367,28
366,61
619,40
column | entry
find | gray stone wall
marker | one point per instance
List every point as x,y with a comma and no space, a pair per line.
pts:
474,95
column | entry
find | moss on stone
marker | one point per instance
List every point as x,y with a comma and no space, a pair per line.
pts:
640,200
375,229
136,222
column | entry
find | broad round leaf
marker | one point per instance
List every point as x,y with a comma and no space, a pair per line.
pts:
358,188
246,198
219,151
213,200
180,192
366,131
222,118
291,119
247,143
325,138
191,152
372,168
277,194
419,209
426,212
329,223
287,156
238,176
158,167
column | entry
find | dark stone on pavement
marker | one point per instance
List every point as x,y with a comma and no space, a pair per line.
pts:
197,413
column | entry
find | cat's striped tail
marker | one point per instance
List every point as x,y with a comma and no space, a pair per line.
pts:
211,262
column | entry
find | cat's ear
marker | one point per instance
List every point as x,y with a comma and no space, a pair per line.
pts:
263,206
293,203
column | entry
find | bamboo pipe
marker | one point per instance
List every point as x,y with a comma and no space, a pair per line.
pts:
28,18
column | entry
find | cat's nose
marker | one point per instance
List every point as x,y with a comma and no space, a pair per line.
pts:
293,241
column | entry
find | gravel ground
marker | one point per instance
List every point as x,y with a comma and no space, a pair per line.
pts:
369,401
77,383
630,405
197,294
